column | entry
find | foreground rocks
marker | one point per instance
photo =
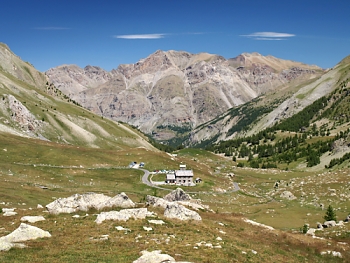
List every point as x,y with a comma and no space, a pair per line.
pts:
23,233
87,201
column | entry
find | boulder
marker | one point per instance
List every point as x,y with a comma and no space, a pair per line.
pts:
329,224
87,201
319,225
177,195
311,231
124,215
160,202
287,195
180,212
24,233
347,219
156,201
156,257
32,219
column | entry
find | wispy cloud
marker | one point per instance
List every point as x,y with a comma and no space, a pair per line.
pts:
141,36
269,36
51,28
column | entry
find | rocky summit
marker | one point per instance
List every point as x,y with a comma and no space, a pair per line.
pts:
170,91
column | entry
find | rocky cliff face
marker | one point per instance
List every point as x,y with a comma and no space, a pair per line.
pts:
171,92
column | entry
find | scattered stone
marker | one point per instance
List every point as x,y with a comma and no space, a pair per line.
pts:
147,228
39,206
124,215
288,195
156,222
180,212
32,219
10,214
87,201
258,224
120,228
254,252
6,210
333,253
219,239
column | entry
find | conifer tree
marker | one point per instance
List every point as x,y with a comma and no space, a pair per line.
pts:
330,214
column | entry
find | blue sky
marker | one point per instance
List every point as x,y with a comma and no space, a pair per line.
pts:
107,33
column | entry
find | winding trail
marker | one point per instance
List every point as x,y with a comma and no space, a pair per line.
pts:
147,182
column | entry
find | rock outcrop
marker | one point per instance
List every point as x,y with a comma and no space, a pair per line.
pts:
23,233
288,195
176,211
87,201
177,195
124,215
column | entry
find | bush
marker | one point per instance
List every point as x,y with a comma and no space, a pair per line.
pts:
305,228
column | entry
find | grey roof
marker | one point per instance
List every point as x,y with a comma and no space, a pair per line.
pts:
180,173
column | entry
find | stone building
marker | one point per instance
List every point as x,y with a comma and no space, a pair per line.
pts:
183,176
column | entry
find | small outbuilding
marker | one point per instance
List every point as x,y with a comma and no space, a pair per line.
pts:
170,178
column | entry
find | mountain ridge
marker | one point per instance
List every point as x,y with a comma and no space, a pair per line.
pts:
180,89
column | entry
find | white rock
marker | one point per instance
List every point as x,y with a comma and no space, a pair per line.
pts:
32,219
25,232
5,245
124,215
177,195
5,210
39,206
120,228
258,224
86,201
147,228
10,214
180,212
156,222
333,253
219,239
154,257
288,195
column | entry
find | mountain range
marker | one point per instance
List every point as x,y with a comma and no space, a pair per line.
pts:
171,93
